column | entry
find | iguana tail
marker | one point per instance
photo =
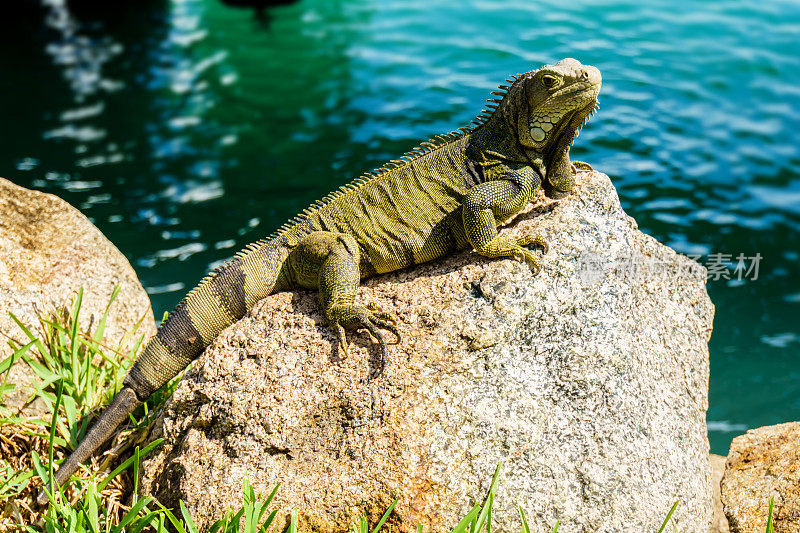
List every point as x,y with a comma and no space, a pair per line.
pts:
121,406
218,301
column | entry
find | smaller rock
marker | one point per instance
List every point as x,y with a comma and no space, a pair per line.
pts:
763,464
49,250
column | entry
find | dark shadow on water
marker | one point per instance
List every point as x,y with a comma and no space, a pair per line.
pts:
257,4
113,14
21,23
261,8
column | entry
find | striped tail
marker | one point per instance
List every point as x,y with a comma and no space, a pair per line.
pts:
121,406
218,301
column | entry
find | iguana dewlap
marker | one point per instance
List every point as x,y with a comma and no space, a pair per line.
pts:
446,195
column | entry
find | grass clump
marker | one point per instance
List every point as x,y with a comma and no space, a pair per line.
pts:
73,376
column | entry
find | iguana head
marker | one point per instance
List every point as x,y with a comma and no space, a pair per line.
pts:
546,108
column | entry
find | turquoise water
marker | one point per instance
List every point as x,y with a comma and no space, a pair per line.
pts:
186,129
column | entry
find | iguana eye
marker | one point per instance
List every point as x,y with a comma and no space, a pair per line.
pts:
549,81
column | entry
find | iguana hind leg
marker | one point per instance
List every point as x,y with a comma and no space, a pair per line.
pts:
330,262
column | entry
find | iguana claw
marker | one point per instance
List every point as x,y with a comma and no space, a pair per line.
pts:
501,246
582,166
371,318
529,257
376,310
342,334
535,241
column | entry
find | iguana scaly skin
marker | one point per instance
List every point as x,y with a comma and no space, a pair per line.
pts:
446,195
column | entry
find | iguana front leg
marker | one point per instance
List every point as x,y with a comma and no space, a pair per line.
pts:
330,262
494,201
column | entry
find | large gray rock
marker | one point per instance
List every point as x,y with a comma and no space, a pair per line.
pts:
48,250
589,381
720,522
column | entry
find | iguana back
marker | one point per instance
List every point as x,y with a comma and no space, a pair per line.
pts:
392,214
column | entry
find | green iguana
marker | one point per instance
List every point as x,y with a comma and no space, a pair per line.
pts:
446,195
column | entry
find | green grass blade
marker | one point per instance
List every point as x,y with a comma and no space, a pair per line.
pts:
268,521
131,514
188,518
73,339
70,432
669,515
101,326
770,525
555,527
261,508
493,486
128,462
220,524
272,494
486,511
467,520
292,522
384,517
525,528
233,524
28,333
44,373
15,356
484,515
43,474
147,520
249,514
14,482
249,491
137,458
489,516
51,479
177,524
90,509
